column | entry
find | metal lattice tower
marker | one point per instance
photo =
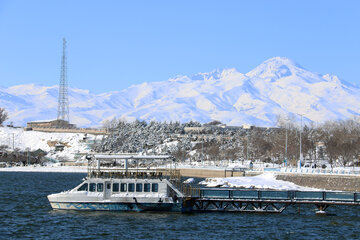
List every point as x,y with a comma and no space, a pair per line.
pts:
63,101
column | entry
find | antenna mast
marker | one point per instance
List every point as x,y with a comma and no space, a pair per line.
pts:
63,101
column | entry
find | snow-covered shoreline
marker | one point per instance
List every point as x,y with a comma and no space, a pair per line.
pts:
263,181
65,169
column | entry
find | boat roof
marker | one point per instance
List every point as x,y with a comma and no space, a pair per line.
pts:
121,156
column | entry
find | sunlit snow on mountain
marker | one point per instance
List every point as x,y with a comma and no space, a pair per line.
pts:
278,86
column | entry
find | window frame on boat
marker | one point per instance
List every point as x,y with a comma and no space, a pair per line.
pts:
131,187
92,187
123,187
116,187
147,187
154,187
139,187
83,188
98,188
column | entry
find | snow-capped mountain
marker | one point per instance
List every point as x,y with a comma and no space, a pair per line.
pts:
278,86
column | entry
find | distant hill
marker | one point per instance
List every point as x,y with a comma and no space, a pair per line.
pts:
278,86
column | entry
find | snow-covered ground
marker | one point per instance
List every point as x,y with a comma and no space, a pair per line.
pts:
34,140
263,181
68,169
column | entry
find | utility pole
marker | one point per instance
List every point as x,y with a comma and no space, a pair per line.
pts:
247,148
202,151
286,142
301,155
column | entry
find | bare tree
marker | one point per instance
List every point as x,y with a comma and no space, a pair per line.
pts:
260,144
214,151
3,115
309,141
341,139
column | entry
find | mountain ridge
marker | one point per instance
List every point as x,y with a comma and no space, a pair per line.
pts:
278,86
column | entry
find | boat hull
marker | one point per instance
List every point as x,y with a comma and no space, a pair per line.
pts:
117,206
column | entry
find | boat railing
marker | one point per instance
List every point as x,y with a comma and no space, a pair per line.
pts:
172,174
186,189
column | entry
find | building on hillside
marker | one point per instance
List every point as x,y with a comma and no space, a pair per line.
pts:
59,123
59,147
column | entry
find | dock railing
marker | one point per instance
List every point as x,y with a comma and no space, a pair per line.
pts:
318,171
269,195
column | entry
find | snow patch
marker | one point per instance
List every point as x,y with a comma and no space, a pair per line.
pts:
263,181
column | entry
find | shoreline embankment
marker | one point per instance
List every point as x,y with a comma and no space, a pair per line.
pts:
208,173
327,182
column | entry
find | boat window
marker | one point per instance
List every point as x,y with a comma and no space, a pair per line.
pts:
146,187
131,187
100,187
115,187
123,187
108,185
92,187
83,187
139,187
154,187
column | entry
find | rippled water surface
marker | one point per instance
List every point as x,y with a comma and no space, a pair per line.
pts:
26,213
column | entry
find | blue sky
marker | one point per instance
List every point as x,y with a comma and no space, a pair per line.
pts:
115,44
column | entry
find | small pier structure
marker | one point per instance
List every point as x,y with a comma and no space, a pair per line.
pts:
223,199
268,201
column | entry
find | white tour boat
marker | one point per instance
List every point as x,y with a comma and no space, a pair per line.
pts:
126,189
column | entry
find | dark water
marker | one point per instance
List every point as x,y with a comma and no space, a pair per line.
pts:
26,214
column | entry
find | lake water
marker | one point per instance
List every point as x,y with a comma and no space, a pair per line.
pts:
26,214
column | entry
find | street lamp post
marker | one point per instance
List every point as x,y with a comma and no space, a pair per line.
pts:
202,151
247,148
286,142
301,155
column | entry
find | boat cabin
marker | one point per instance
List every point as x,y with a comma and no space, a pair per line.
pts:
125,187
